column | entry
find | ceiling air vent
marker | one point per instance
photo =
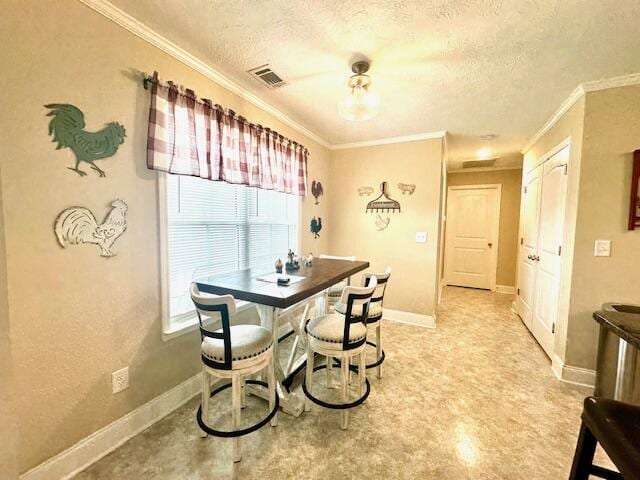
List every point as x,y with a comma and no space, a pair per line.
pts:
267,77
478,163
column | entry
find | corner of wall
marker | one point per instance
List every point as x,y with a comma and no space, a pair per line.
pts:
8,447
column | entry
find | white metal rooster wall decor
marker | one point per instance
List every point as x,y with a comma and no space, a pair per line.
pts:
77,225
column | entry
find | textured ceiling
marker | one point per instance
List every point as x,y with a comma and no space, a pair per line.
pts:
470,67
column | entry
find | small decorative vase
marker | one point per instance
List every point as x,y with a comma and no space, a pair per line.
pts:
279,266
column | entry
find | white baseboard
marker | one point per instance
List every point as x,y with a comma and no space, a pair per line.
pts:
574,375
506,289
92,448
418,319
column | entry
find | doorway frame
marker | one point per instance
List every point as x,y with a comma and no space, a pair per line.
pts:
496,231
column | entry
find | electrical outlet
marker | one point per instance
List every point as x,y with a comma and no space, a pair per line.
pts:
120,380
421,237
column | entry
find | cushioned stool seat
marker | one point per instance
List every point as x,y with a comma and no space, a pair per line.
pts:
616,426
375,309
330,328
246,341
336,290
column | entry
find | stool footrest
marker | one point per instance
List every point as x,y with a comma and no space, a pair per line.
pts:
336,406
378,362
605,473
237,433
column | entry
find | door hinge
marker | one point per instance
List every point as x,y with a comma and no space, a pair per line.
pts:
525,189
521,240
553,327
566,168
518,291
560,250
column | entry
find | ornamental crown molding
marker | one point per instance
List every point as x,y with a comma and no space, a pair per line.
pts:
577,94
131,24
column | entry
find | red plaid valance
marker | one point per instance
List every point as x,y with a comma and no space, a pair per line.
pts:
188,136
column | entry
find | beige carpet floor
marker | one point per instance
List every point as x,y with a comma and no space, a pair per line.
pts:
474,398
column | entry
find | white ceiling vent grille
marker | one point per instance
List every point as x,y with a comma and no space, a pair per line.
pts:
267,77
478,163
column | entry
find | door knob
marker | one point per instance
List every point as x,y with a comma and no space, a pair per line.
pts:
490,244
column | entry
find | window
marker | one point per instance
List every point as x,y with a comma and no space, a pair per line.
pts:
216,227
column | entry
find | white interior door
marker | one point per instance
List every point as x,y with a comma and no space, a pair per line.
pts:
472,218
547,285
528,244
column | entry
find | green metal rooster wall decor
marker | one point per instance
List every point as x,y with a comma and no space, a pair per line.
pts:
316,226
67,128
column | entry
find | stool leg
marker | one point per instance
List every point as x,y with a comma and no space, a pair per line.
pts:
583,458
344,365
236,401
379,347
205,400
243,394
309,376
362,371
329,370
272,391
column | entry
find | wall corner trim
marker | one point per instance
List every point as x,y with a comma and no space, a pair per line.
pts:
90,449
417,319
126,21
580,90
573,375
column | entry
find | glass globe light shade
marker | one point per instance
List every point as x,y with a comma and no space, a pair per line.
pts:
361,103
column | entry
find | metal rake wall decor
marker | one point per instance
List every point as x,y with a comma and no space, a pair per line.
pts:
383,203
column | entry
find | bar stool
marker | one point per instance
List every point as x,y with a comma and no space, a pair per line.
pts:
616,426
343,337
374,318
335,291
233,352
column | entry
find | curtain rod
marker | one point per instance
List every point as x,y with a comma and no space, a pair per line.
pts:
148,81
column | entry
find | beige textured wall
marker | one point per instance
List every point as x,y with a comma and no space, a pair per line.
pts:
413,287
9,443
511,180
570,125
611,134
76,317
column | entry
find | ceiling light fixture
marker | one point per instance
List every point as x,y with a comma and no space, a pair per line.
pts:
484,153
361,103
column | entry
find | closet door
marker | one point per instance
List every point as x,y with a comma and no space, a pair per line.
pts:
528,244
547,285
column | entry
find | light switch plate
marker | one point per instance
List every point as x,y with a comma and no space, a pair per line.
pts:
421,237
602,248
120,380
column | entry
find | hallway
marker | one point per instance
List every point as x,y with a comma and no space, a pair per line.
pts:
476,394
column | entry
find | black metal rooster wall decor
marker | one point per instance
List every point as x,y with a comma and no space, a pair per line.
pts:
316,226
316,190
67,129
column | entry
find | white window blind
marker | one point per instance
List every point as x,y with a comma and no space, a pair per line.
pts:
217,227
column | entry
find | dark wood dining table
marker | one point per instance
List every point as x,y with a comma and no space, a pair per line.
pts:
276,303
